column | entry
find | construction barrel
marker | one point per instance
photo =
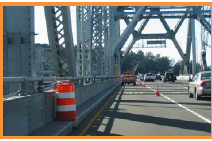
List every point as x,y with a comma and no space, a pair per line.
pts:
65,99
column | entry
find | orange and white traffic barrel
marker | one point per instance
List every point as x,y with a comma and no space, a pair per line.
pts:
66,103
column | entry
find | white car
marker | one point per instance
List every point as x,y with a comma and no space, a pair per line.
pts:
200,85
149,77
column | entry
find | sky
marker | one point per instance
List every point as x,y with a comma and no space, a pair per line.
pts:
153,26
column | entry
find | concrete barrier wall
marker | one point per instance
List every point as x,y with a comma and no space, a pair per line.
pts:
23,115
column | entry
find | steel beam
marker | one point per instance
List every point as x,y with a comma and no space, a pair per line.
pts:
84,40
136,36
165,14
172,36
96,52
204,41
59,29
179,23
119,44
200,18
105,51
116,47
18,44
194,67
188,48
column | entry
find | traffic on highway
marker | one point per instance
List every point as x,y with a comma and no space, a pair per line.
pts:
140,111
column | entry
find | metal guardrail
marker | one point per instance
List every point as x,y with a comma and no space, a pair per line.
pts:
39,81
9,80
32,111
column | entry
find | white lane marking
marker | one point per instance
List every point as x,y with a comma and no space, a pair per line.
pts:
187,109
178,86
175,92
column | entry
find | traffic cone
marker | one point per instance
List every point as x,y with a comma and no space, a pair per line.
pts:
144,84
157,92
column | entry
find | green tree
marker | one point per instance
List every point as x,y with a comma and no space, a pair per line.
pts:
147,62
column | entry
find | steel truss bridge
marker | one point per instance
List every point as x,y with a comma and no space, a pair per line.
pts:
96,59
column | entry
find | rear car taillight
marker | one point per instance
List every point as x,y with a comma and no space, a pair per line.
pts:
203,83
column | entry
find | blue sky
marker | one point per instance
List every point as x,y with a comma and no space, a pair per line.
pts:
153,26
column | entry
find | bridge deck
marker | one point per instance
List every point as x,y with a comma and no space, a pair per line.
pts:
136,111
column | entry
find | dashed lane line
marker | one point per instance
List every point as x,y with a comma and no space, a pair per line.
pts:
98,113
180,105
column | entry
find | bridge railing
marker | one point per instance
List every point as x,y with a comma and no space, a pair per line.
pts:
44,83
29,112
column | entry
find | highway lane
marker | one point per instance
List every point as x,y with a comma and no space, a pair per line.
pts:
137,111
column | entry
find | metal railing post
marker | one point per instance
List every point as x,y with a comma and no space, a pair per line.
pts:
23,87
41,86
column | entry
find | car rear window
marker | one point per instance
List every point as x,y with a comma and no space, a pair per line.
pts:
206,76
169,74
149,75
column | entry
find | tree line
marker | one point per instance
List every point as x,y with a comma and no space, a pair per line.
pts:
154,64
147,63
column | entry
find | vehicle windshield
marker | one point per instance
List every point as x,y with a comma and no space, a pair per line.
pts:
169,74
148,74
206,76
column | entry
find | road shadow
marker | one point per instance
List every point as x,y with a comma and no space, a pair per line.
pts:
189,125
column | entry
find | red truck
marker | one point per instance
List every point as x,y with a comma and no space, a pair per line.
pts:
128,77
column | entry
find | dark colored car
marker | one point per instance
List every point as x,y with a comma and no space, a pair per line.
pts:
169,76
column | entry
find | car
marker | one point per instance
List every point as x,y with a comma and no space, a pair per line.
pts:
200,85
128,77
158,76
149,77
169,76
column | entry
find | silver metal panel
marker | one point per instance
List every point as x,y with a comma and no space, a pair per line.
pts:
93,90
16,117
194,66
188,48
81,95
18,47
77,96
88,91
37,112
50,109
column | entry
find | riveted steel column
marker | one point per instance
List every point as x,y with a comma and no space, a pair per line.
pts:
111,39
18,47
96,52
59,29
194,66
84,40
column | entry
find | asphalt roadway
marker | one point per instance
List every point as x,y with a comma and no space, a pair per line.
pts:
137,111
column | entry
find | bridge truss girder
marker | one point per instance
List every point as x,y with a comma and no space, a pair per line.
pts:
58,21
92,40
191,12
83,62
